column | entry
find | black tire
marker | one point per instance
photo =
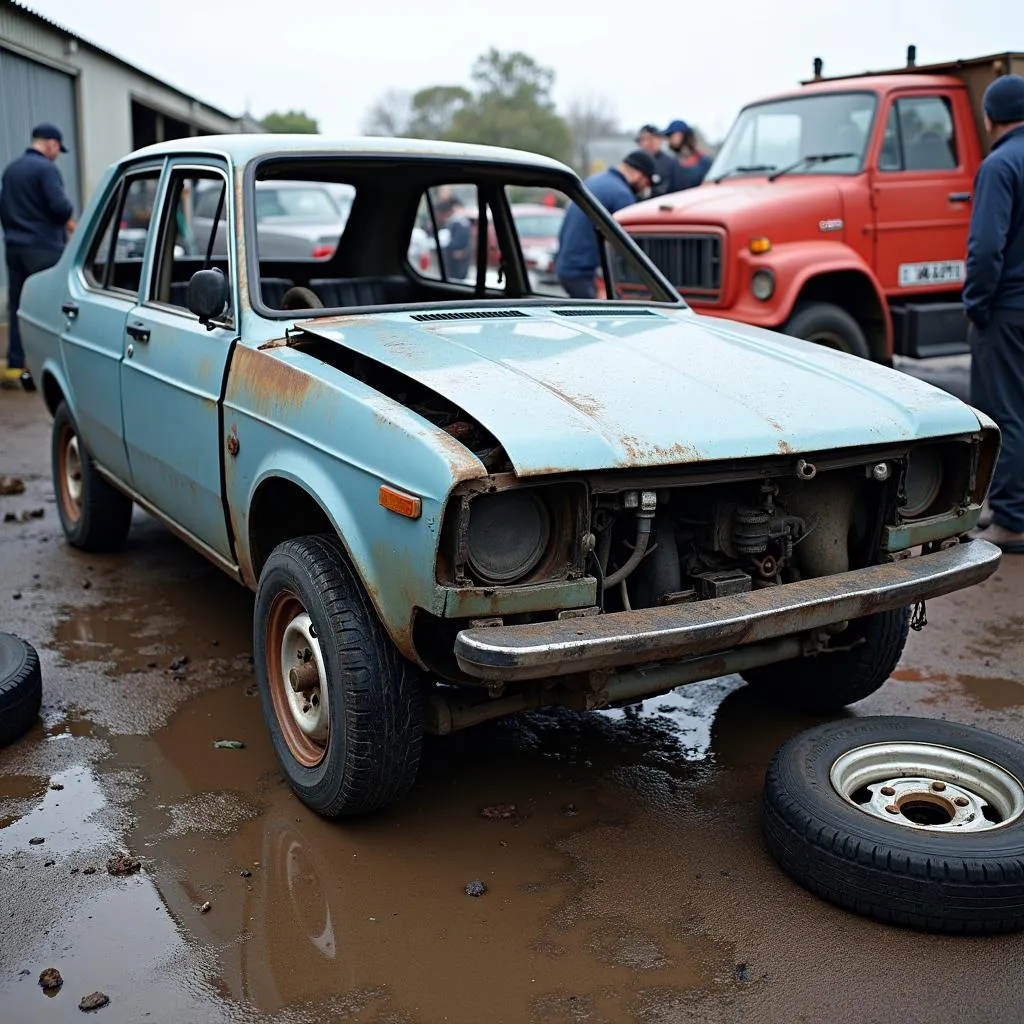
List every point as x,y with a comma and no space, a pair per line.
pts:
828,325
956,881
21,687
99,516
832,680
373,759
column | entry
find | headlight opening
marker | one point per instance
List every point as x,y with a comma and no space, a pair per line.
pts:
509,534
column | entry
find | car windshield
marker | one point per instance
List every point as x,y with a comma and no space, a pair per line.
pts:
296,203
539,225
770,136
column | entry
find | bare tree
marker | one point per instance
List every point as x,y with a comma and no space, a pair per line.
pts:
590,117
391,115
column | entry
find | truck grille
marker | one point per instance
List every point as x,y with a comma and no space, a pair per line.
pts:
692,263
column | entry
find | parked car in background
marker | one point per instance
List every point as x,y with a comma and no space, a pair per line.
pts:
457,500
538,227
837,212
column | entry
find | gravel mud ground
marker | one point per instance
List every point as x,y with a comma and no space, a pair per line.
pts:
624,876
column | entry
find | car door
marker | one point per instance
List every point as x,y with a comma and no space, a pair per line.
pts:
102,289
921,191
173,370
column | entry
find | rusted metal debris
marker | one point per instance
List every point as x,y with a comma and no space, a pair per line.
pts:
93,1001
498,811
123,865
50,979
11,485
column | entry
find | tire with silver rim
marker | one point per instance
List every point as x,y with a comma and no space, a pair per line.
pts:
907,820
95,516
343,708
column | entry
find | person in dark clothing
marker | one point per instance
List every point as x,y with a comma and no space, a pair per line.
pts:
35,215
650,140
994,303
579,253
692,164
457,249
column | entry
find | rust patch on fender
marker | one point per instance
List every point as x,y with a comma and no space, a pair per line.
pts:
785,448
265,381
641,453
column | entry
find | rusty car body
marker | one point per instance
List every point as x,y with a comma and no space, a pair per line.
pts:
461,499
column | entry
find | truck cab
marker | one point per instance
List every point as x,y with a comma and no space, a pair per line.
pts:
837,212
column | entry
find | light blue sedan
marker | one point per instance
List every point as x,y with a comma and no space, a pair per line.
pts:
458,499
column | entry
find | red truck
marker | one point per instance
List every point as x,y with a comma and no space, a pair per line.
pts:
837,212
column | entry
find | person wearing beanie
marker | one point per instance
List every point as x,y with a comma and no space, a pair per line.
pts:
994,302
579,254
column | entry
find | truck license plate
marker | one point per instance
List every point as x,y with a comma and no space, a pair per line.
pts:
935,272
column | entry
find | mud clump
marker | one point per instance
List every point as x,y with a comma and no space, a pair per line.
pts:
123,865
12,485
50,979
496,812
93,1001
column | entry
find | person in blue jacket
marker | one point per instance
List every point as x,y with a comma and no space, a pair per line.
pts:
579,254
35,214
692,164
994,302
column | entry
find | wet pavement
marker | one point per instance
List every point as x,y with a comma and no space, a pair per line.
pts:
628,883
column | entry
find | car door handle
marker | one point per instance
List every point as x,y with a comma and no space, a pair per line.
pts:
139,331
959,197
69,309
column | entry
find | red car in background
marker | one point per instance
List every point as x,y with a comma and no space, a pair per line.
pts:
538,226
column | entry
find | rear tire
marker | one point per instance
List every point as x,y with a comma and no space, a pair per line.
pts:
349,742
828,325
829,681
21,687
94,514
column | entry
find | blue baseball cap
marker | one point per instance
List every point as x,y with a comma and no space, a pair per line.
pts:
49,131
676,126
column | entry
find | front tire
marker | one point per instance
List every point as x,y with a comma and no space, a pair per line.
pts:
349,730
828,325
826,682
95,516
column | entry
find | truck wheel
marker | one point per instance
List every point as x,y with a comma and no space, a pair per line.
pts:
344,709
21,687
95,516
828,325
907,820
831,680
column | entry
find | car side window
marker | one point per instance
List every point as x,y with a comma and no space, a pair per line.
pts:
919,136
114,260
443,243
193,233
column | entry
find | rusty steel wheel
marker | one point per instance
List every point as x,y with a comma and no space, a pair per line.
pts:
69,473
298,679
95,515
343,708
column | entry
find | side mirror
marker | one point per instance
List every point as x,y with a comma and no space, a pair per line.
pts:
207,294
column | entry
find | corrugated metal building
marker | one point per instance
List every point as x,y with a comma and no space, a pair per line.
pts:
104,106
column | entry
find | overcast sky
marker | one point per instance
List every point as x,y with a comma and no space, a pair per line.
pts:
651,62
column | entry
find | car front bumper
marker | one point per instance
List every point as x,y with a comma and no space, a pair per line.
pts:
544,649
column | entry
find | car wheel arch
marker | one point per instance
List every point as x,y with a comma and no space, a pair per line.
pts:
53,390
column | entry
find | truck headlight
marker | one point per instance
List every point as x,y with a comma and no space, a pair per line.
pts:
508,535
762,284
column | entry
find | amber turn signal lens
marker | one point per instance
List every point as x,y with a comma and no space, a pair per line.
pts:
760,245
399,502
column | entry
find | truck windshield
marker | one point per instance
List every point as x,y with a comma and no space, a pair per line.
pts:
770,136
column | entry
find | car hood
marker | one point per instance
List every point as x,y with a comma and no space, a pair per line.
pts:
661,388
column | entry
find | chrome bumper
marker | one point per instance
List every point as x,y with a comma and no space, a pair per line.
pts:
542,649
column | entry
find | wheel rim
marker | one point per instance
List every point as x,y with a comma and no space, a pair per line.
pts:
928,787
299,697
69,473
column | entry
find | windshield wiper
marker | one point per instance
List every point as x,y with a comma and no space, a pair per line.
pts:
813,158
749,169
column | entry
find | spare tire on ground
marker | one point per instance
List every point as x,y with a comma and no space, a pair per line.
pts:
21,687
907,820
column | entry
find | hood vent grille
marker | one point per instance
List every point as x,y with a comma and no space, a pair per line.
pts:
606,312
476,314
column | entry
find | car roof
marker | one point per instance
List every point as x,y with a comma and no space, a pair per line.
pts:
244,148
